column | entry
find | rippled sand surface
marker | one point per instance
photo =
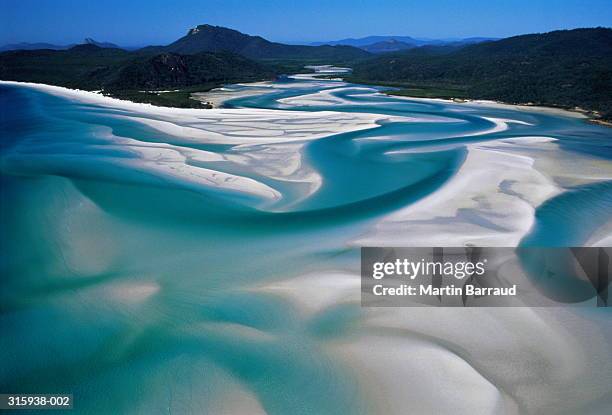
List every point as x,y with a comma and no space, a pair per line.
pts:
161,260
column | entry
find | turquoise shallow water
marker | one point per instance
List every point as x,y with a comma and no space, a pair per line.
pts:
134,291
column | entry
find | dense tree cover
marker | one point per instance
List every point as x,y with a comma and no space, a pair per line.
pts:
170,70
563,68
125,74
84,66
92,67
207,38
207,57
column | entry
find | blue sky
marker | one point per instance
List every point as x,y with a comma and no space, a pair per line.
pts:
142,22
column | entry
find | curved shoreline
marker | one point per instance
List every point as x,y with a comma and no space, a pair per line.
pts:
285,294
590,116
572,113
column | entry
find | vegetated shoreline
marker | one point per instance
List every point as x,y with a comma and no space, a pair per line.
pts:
182,97
458,95
176,98
187,102
400,90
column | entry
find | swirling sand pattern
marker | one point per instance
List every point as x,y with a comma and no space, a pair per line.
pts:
162,260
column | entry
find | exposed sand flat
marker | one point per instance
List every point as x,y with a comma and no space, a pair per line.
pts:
283,162
325,97
165,161
476,103
243,127
501,124
489,202
247,126
218,96
237,127
479,360
515,360
174,160
156,163
226,126
534,108
421,360
328,69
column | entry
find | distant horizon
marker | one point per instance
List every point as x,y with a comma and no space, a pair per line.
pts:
290,42
141,23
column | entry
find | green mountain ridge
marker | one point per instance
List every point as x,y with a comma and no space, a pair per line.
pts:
126,74
208,56
207,38
566,68
171,70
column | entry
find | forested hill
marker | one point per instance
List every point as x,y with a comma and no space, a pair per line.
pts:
171,70
131,75
207,38
208,56
565,68
92,67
